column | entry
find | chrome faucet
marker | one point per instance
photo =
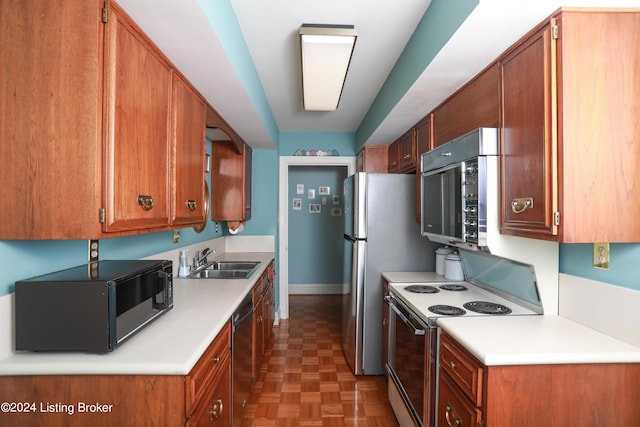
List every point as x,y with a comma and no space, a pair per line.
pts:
200,259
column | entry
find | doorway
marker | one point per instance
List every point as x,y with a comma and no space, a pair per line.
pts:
284,204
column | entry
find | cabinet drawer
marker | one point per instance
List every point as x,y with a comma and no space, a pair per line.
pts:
454,409
207,367
463,368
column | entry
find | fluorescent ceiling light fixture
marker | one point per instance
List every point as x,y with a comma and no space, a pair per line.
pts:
326,54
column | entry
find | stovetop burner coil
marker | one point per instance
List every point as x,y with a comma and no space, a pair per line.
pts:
421,289
485,307
454,287
446,310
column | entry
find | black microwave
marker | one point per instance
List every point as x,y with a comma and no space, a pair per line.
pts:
93,307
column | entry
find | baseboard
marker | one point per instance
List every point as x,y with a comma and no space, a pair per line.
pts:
318,288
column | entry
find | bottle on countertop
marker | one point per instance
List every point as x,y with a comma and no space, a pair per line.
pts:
184,269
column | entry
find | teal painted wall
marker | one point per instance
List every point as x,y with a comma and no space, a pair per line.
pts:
624,265
342,142
316,244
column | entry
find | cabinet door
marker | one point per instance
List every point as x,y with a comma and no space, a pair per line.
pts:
50,122
138,92
258,336
189,117
406,152
393,153
454,409
528,138
373,158
230,185
214,409
424,141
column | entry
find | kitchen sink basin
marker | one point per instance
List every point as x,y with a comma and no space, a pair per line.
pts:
226,270
234,265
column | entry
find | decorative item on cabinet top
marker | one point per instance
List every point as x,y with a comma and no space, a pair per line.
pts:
316,153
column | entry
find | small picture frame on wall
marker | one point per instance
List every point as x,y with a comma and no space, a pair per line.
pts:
324,190
336,211
336,199
315,208
296,204
299,188
311,193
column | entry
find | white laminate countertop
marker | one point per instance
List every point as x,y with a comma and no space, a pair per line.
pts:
536,340
171,345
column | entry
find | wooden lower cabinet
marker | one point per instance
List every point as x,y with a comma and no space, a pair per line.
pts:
559,395
203,397
263,316
214,409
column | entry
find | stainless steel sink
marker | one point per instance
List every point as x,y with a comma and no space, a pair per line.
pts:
226,270
234,265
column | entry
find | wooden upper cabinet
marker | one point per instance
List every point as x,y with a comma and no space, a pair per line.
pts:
373,158
230,182
424,143
392,155
189,122
475,105
570,128
138,99
402,153
89,118
424,138
50,119
527,145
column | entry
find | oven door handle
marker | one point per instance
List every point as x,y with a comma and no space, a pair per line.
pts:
406,321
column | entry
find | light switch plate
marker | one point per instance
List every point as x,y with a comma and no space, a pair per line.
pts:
601,255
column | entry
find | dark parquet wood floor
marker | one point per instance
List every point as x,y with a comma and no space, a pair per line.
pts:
305,380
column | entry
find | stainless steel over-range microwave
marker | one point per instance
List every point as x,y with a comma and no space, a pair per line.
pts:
459,188
93,307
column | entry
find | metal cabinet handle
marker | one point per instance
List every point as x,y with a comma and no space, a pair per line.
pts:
406,157
216,409
522,204
191,204
259,319
146,202
451,413
216,359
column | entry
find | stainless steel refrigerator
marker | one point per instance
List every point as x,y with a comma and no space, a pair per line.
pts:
381,234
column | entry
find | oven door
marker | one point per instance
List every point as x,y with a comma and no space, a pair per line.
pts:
411,365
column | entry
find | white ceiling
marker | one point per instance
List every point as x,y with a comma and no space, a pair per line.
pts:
183,32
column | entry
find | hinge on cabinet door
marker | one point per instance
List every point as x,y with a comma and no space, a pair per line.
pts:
103,215
555,32
105,15
556,218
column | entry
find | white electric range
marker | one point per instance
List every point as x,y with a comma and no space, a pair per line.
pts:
493,286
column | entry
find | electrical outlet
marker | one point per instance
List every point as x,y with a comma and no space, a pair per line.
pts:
176,236
601,255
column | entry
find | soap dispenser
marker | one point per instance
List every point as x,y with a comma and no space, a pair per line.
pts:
185,269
